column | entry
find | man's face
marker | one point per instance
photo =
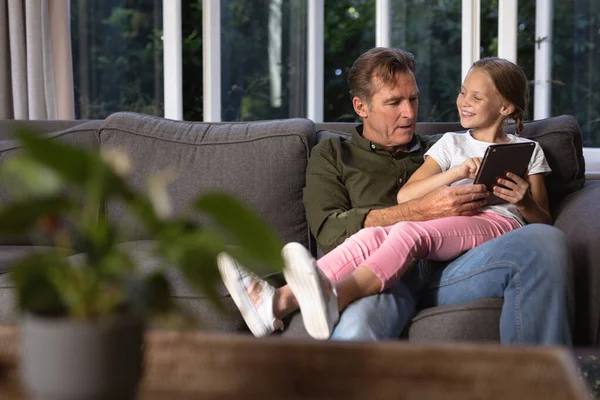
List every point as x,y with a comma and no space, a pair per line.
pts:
391,116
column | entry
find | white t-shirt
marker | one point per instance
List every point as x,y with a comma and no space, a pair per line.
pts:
453,149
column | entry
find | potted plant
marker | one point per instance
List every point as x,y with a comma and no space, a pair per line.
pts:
84,300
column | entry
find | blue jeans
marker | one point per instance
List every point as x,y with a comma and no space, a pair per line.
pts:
528,267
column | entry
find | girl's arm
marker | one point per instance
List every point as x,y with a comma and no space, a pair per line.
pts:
529,195
429,177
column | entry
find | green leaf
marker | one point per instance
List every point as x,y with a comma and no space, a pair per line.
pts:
115,263
249,232
194,253
157,293
72,163
35,290
25,177
98,240
19,218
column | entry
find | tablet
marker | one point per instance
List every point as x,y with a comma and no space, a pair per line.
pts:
500,159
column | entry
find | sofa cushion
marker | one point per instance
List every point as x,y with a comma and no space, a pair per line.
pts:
81,135
560,138
7,126
261,163
477,320
10,254
9,313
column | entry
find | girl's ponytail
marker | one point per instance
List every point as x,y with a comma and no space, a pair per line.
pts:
518,118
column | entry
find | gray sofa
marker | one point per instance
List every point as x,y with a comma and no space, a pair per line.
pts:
263,163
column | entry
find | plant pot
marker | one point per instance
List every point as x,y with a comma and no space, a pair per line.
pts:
70,359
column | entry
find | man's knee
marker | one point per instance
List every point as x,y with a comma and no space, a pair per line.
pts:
542,246
545,240
542,236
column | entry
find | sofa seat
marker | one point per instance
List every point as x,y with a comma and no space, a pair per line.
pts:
474,321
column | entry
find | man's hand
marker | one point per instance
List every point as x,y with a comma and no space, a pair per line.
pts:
451,201
445,201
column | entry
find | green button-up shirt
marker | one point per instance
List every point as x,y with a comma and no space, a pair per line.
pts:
345,179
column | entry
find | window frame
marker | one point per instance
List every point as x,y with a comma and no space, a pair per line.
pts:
315,56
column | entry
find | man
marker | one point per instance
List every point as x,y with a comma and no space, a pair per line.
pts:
353,184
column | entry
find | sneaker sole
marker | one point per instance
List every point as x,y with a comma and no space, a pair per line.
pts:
231,275
303,279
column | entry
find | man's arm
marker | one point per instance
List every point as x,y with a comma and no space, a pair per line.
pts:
329,211
442,202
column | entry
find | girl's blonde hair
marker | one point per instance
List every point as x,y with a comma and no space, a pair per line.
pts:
510,81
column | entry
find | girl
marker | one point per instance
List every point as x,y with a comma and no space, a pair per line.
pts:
374,258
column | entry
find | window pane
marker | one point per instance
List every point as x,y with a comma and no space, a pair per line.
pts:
349,31
263,58
432,32
117,57
575,61
191,57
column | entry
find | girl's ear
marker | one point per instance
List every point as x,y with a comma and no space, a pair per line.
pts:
360,107
507,109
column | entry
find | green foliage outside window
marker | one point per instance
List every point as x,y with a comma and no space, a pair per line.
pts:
118,56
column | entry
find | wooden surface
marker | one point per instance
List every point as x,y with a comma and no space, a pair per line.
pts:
190,364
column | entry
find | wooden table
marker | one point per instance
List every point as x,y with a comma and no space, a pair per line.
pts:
192,364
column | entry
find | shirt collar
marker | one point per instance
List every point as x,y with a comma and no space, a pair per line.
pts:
360,141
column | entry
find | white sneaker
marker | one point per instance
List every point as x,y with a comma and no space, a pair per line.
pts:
252,296
315,293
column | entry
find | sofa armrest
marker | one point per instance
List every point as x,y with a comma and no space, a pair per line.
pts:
577,216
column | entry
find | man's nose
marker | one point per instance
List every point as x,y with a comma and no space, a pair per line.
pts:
407,110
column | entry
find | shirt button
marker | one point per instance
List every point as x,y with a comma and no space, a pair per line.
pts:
373,146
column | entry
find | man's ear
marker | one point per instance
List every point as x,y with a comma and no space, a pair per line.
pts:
360,107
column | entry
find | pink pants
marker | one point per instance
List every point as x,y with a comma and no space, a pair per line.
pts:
389,250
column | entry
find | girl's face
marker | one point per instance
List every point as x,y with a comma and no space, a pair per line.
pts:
479,104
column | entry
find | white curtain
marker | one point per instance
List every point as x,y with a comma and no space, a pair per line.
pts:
36,69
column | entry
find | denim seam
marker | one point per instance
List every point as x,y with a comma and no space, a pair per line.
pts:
516,276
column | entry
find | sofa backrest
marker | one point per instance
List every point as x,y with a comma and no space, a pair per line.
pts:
78,133
7,126
560,138
261,163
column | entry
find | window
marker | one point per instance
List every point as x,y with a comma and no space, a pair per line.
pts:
263,45
575,84
575,62
432,32
349,31
117,57
117,50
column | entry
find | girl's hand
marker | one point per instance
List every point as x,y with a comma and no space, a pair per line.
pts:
468,169
516,190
